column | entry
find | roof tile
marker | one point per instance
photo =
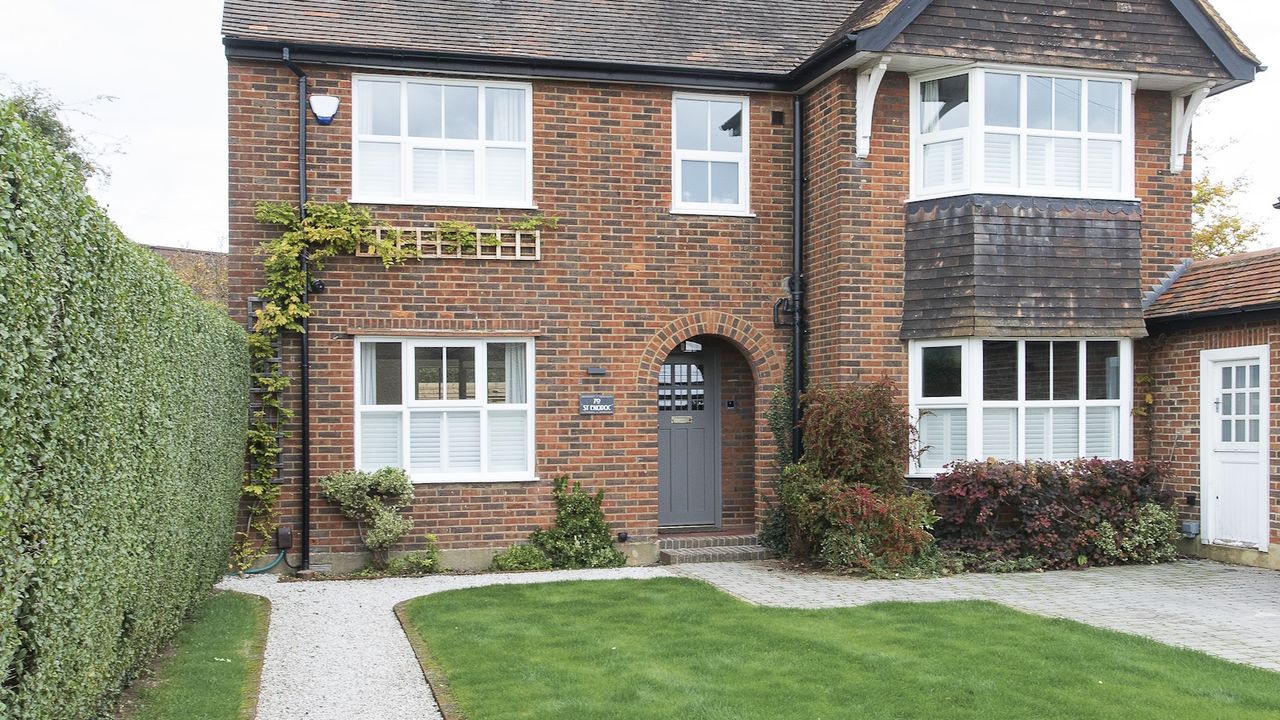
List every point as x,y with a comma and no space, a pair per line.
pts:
1209,287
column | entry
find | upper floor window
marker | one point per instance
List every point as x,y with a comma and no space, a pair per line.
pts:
709,155
1022,132
442,142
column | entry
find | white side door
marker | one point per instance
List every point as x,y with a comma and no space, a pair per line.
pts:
1235,446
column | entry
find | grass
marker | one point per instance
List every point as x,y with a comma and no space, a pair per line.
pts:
211,670
677,648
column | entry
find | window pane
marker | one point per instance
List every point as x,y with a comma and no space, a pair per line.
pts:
1039,102
508,441
505,175
379,169
1000,433
1066,163
1066,104
1066,370
1226,430
506,373
941,372
461,112
460,373
691,125
380,377
379,112
459,173
462,428
695,181
1102,432
424,110
1226,378
1255,406
944,163
428,167
504,114
428,373
724,183
1001,159
1240,376
943,436
726,126
1003,100
1104,165
944,104
1037,373
379,440
1254,426
1102,371
999,370
1104,106
1254,375
426,433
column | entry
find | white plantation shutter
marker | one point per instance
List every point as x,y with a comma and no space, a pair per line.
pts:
1104,165
379,171
1066,164
425,429
428,166
505,174
1038,149
379,440
508,441
1000,433
463,432
1037,433
943,435
944,163
1102,432
1000,154
1066,433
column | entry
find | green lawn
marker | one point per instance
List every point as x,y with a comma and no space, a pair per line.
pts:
211,671
679,649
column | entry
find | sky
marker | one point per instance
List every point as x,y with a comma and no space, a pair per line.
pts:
162,133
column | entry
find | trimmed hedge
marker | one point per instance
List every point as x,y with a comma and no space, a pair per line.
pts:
123,411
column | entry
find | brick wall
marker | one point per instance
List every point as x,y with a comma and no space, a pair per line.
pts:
1173,431
620,284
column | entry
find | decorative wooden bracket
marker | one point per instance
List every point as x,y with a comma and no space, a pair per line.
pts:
1185,104
868,86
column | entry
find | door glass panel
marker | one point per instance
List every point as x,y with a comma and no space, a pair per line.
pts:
664,388
697,389
1255,376
1228,407
1240,377
1255,407
681,388
1254,427
1239,404
1226,431
1226,378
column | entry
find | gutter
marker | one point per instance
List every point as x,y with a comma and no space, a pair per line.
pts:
1189,317
305,517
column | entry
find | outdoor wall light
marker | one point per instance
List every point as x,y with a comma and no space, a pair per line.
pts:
325,108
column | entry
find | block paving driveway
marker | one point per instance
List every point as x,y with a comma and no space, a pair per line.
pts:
335,650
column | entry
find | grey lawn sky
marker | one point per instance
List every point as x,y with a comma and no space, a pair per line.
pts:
164,134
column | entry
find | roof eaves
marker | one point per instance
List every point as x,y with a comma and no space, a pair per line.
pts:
1220,39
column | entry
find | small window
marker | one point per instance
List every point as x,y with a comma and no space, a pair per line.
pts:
442,142
709,154
465,414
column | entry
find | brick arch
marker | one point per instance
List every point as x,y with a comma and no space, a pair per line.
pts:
752,343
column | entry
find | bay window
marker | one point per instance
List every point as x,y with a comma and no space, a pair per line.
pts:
445,409
1021,400
441,142
1024,132
710,149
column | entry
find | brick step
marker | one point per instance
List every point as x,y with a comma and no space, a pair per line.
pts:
681,542
725,553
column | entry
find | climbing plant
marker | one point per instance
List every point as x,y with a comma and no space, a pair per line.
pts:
326,231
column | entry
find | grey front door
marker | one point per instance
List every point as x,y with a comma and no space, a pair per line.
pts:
689,440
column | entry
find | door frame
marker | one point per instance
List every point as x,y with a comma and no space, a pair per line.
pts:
1208,423
710,359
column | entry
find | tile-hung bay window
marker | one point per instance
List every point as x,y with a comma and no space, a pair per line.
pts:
1022,132
1021,399
446,410
436,142
710,151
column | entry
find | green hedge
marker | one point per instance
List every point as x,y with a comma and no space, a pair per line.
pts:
123,405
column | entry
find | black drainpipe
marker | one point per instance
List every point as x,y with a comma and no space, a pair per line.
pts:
797,278
305,520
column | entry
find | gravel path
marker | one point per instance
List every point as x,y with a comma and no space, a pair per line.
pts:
335,650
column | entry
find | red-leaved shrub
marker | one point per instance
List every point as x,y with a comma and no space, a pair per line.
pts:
858,434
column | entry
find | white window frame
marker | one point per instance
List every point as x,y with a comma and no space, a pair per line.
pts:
408,143
972,388
973,135
742,159
408,404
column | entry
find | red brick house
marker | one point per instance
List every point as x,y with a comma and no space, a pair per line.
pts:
966,197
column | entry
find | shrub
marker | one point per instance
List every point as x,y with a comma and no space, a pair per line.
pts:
580,537
374,500
121,442
1053,511
424,562
858,434
521,557
855,526
1147,538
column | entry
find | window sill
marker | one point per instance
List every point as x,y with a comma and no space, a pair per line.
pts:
437,203
707,212
1048,195
475,480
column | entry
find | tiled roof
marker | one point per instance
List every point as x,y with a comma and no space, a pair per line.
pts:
1225,284
1230,34
765,36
